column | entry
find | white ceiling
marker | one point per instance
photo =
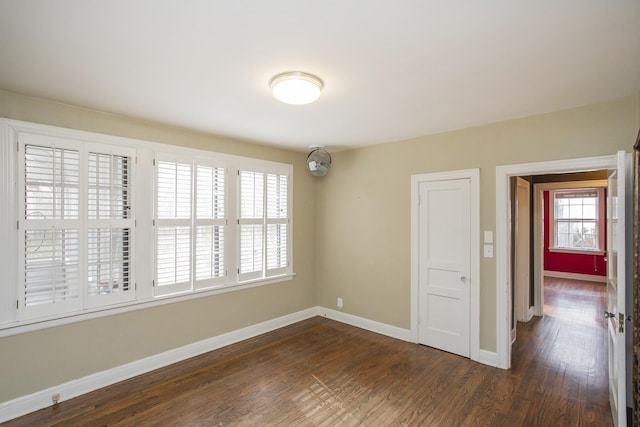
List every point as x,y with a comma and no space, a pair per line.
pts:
392,69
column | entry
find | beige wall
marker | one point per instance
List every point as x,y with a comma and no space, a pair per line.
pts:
363,205
351,233
34,361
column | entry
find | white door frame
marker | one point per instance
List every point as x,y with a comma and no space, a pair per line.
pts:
503,264
474,280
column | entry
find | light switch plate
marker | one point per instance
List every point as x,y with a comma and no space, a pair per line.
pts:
488,251
488,236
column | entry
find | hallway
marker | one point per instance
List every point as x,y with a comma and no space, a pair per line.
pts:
565,353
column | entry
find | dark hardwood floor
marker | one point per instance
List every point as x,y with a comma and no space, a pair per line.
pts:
323,373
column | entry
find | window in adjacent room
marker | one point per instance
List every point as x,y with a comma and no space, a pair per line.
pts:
577,220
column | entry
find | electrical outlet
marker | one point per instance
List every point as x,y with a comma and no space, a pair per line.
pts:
55,398
339,302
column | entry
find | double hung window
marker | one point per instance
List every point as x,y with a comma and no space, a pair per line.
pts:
578,219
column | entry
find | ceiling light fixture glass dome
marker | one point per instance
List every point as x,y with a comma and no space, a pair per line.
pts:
296,87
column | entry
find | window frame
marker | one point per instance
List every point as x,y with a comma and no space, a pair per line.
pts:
143,245
601,220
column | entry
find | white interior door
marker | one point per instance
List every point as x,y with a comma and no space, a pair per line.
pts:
616,290
444,265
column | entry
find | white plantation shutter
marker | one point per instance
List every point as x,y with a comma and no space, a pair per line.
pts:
110,228
251,223
50,243
190,225
74,197
263,225
210,267
173,226
277,222
75,225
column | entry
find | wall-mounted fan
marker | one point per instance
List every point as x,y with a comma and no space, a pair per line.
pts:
318,161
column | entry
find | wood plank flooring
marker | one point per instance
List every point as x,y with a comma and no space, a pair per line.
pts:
323,373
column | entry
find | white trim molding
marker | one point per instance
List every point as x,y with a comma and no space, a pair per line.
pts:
575,276
369,325
474,298
42,399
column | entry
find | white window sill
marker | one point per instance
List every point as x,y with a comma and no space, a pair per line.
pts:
19,327
577,251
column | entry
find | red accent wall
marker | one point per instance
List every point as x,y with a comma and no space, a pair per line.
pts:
570,263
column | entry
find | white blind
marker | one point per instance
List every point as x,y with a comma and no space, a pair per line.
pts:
210,223
109,236
277,222
173,190
108,191
277,200
251,195
108,260
173,223
51,266
51,242
251,244
210,193
251,224
173,258
51,183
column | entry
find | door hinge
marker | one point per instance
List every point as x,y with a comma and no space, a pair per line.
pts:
17,304
18,146
621,323
153,283
17,225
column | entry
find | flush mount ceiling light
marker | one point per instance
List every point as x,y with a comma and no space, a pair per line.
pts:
296,87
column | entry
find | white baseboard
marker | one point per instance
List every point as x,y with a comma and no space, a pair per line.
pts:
369,325
488,358
41,399
576,276
26,404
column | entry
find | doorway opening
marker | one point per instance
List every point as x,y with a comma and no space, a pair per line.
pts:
543,246
503,248
618,167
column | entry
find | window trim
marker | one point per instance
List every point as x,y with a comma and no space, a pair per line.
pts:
601,220
143,199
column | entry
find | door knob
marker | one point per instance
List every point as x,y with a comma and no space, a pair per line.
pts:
463,279
608,315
